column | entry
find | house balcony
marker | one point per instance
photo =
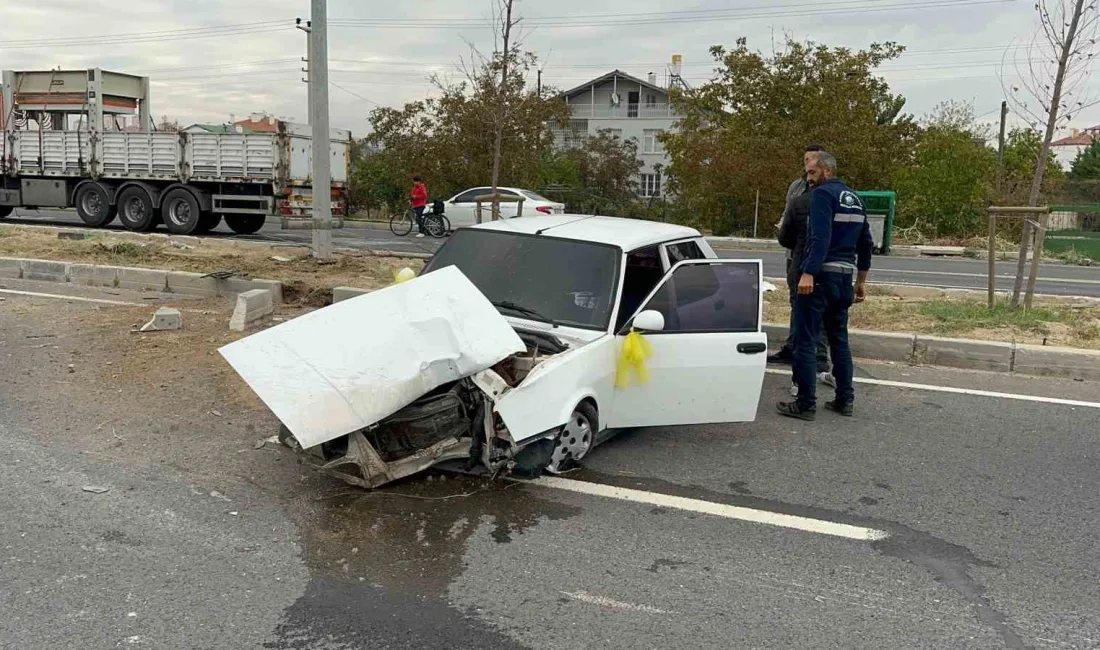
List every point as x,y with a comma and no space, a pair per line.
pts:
624,111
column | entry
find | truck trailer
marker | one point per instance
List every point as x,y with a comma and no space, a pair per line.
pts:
59,151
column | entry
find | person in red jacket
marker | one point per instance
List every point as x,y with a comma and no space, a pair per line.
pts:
418,199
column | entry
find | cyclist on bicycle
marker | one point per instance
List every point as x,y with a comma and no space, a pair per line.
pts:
418,200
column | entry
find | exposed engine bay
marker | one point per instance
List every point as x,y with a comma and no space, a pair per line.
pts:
454,422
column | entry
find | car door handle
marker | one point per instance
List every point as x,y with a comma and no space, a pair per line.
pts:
752,348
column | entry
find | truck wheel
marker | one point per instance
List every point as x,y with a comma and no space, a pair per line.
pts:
94,206
244,224
207,222
135,209
6,210
181,212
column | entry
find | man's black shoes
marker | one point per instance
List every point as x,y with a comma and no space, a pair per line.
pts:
784,356
843,408
796,411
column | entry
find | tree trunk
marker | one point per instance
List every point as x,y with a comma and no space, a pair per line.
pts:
498,127
1044,150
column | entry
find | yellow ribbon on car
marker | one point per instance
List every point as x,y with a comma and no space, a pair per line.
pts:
636,350
404,275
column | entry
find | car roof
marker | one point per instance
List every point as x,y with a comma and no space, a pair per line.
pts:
627,234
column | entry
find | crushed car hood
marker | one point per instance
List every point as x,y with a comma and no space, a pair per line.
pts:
351,365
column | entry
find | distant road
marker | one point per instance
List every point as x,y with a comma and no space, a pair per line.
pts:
947,273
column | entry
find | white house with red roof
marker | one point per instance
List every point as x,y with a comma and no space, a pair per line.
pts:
1066,149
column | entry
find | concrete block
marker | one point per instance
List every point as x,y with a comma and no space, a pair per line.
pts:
240,285
142,279
1047,361
45,270
884,346
192,284
92,275
962,353
252,307
11,268
340,294
72,235
164,320
184,240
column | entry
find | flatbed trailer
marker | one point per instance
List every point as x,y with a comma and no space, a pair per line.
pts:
189,181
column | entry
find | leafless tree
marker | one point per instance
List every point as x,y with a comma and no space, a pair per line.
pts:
1049,87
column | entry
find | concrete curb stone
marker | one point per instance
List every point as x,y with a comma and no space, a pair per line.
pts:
142,279
252,307
11,268
91,275
1045,361
45,270
192,284
965,353
340,294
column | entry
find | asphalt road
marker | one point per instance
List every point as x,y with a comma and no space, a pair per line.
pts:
949,273
204,541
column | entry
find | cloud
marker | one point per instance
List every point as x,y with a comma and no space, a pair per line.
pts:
238,70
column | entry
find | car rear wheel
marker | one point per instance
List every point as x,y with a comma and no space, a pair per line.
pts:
6,210
207,222
576,438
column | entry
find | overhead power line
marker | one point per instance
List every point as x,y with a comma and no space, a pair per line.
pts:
608,20
214,31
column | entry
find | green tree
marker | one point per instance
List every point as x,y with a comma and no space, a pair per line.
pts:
746,129
948,183
1087,163
1022,147
371,187
444,139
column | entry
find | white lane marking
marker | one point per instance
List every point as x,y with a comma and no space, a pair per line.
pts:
961,391
102,301
711,508
586,597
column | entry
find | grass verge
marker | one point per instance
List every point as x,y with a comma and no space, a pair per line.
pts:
1066,323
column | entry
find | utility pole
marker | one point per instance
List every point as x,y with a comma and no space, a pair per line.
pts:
538,85
322,170
309,46
1001,148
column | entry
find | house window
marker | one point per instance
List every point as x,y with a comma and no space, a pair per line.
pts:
651,101
650,185
650,144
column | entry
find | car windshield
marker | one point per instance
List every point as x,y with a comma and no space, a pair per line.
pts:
558,281
534,197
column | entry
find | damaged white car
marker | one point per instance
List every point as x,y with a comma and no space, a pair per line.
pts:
502,355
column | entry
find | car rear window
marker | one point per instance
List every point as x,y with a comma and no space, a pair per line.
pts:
534,197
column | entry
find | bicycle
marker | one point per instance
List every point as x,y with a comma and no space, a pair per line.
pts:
436,224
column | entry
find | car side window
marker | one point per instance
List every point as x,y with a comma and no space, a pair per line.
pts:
643,272
718,297
469,195
686,250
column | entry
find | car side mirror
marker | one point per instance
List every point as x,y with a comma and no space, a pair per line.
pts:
649,321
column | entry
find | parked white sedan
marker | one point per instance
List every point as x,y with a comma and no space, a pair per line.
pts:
503,353
461,210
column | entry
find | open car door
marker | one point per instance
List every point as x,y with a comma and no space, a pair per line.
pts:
708,361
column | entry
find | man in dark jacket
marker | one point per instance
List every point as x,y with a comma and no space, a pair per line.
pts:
838,252
792,236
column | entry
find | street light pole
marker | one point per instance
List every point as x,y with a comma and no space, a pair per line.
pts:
322,171
309,46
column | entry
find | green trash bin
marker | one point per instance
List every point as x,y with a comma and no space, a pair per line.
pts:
880,214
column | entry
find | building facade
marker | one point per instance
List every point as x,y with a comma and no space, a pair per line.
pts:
630,108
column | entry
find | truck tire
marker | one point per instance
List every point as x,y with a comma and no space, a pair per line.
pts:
208,222
135,209
244,224
6,210
93,205
181,212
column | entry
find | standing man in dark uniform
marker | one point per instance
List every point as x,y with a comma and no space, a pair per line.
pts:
792,236
838,251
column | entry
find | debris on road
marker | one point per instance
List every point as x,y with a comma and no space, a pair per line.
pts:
280,258
222,275
165,319
219,495
96,489
216,414
72,236
251,309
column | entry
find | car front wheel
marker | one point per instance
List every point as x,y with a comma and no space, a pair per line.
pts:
576,438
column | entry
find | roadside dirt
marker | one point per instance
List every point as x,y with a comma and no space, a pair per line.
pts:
306,280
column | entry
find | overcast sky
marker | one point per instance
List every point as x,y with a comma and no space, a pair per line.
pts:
247,59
